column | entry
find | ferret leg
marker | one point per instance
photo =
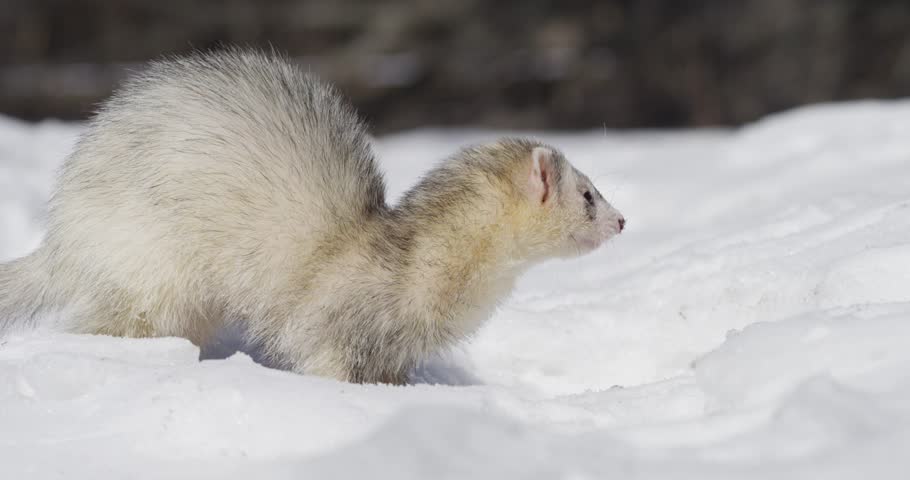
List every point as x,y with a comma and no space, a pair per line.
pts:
120,314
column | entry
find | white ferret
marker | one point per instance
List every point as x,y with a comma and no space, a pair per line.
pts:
231,187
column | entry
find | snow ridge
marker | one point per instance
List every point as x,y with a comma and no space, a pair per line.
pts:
752,322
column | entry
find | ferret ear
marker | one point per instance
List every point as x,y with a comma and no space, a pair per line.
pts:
540,180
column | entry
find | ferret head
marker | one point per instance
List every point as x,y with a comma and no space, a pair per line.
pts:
533,200
563,205
554,210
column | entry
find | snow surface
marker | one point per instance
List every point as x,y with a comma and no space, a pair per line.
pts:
752,322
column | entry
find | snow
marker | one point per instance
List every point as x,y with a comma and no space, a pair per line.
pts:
753,322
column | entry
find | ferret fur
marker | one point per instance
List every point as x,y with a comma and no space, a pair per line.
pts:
231,187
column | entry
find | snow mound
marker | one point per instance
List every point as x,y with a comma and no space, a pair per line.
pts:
752,322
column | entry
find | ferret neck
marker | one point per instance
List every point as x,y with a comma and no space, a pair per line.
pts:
454,261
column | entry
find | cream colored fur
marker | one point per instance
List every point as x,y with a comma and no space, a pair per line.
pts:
230,187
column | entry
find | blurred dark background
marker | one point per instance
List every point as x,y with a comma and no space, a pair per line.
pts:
513,63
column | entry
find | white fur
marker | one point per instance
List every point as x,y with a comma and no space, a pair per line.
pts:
231,187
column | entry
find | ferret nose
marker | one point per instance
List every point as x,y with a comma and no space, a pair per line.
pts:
622,223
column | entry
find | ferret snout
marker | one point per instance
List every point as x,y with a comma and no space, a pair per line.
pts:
622,223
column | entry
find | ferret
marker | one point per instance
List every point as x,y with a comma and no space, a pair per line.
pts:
231,187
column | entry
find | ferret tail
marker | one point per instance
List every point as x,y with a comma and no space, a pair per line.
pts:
25,291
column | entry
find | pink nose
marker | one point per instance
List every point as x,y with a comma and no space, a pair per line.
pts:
622,223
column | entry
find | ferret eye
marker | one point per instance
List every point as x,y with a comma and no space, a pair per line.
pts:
589,198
